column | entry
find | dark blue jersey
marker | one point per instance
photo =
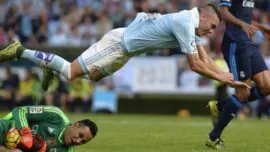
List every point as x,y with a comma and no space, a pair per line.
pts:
241,9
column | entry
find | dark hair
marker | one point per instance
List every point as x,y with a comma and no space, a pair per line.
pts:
90,124
213,7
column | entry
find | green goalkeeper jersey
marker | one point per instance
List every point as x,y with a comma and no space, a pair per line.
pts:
46,121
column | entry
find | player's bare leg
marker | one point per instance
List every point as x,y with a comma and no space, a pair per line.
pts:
75,72
243,93
262,80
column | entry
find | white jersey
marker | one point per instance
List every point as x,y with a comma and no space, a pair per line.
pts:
155,31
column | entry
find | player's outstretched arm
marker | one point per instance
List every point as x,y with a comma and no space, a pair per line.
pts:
204,65
229,18
207,60
212,66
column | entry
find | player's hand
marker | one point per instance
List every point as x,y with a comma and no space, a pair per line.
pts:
249,29
26,141
239,84
226,78
229,80
39,145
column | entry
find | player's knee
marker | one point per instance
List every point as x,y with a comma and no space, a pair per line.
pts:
242,97
95,73
95,77
75,70
265,89
243,94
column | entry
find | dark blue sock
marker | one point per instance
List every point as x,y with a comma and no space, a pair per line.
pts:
221,104
230,110
254,94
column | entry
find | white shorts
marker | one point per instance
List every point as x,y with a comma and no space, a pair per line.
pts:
106,55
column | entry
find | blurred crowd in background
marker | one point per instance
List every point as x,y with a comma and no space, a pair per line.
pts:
80,23
83,22
73,22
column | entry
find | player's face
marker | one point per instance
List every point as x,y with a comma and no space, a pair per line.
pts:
208,23
77,135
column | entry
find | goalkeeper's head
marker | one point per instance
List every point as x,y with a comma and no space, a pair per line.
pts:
80,132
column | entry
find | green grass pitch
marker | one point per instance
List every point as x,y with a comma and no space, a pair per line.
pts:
146,133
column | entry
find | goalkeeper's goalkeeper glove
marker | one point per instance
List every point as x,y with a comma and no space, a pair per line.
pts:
26,141
39,145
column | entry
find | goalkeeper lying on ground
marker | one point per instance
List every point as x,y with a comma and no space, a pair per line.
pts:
41,129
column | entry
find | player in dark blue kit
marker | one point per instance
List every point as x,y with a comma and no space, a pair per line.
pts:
245,62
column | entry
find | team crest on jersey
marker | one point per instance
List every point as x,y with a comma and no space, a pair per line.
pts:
242,74
193,44
248,3
34,110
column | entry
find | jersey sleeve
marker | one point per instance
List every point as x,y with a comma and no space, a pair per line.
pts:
227,3
184,31
23,115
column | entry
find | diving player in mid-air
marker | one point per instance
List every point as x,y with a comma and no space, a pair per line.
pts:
245,62
45,128
148,32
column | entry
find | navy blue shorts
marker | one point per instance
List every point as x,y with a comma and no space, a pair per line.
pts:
244,60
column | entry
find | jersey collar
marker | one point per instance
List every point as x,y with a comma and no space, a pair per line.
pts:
195,17
61,136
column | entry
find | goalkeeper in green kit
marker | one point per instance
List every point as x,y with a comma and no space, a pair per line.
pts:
43,129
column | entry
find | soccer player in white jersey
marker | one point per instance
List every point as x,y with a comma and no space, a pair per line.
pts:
148,32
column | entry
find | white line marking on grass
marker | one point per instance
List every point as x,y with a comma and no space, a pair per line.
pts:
168,123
